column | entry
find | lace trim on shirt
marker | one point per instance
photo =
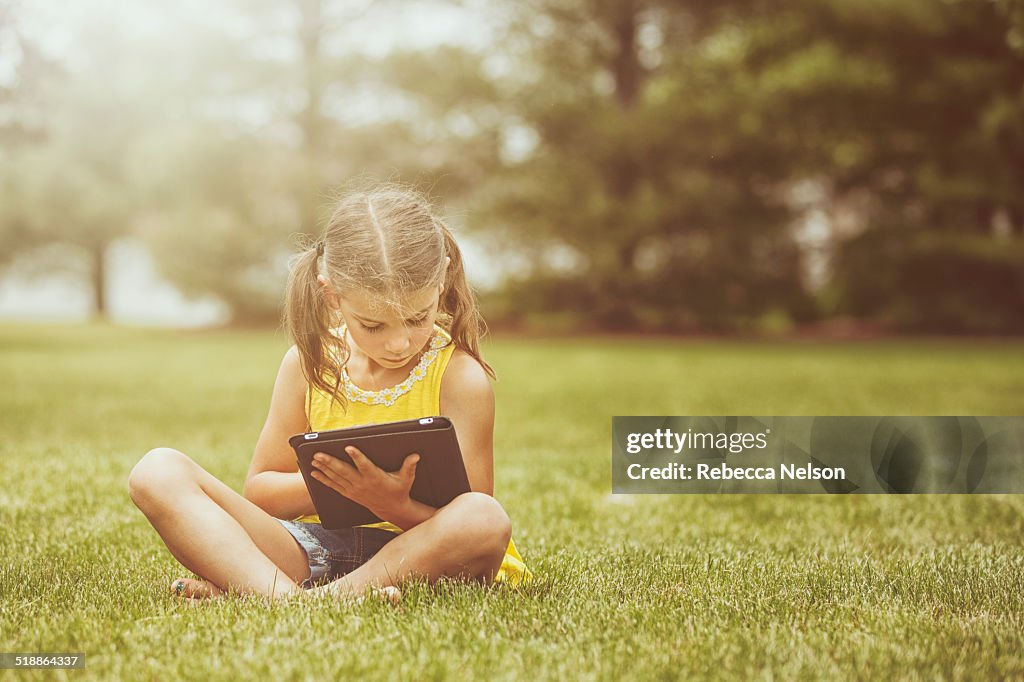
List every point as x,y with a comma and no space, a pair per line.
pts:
388,396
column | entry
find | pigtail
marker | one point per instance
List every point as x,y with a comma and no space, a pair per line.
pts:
308,320
458,302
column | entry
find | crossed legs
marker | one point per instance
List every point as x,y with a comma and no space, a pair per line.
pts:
218,534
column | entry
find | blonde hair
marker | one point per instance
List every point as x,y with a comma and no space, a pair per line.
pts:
385,242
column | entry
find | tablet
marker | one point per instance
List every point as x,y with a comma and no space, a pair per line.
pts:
440,473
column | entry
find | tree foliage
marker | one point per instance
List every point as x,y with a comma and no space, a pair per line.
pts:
671,137
65,175
635,164
231,207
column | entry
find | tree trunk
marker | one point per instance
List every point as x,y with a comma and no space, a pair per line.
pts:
626,62
99,281
310,119
623,170
310,34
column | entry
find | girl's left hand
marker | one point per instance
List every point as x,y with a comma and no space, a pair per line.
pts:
379,491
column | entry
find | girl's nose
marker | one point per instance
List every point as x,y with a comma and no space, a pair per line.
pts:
397,344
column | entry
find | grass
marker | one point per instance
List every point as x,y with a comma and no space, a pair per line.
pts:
641,587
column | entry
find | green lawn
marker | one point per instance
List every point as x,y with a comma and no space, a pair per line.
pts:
640,587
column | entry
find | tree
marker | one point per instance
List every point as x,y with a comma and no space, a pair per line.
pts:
657,185
20,128
915,110
238,194
72,194
670,138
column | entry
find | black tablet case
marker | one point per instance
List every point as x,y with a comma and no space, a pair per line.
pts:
440,474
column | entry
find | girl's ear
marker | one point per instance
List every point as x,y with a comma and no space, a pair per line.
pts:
330,295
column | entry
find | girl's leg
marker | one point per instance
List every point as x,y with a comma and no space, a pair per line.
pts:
212,530
466,538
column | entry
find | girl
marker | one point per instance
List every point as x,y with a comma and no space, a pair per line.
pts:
385,329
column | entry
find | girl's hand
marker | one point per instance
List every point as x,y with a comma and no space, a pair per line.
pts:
382,492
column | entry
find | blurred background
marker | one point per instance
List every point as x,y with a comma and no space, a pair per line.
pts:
833,166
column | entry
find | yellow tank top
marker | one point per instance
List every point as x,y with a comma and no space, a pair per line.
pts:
419,395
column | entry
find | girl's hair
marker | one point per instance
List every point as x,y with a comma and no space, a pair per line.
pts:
386,243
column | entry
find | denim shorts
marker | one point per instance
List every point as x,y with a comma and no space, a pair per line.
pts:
333,553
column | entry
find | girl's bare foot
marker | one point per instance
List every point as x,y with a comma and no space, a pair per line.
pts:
195,590
390,594
337,591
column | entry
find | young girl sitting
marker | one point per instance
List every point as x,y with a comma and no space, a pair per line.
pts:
385,329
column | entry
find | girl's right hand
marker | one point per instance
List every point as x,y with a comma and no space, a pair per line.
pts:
384,493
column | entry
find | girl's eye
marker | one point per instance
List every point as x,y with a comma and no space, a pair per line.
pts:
371,329
419,321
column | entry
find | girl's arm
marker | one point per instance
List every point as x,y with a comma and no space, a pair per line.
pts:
467,399
274,483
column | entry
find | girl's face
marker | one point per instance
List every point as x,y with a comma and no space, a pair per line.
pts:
389,338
